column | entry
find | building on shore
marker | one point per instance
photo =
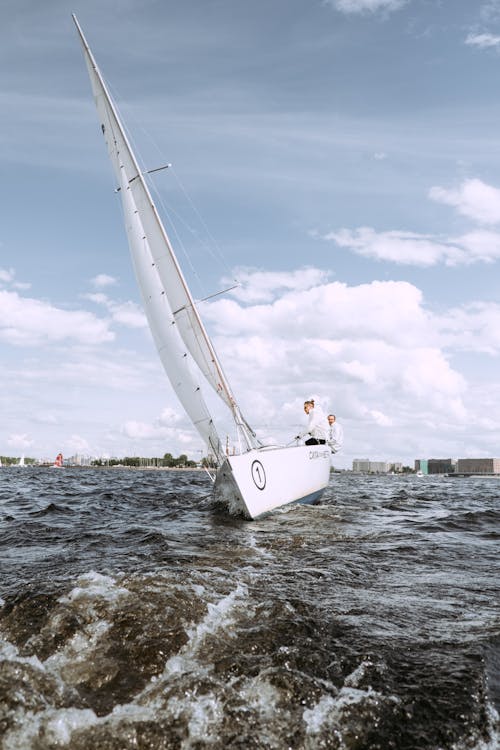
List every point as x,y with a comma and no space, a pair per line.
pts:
478,466
361,465
421,466
435,465
365,466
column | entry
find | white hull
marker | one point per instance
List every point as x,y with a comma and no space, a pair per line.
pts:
261,480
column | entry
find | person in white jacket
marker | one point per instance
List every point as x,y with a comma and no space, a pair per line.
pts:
316,425
335,434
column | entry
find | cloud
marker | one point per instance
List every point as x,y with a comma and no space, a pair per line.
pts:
143,431
125,313
376,354
490,11
381,419
77,444
375,347
473,198
483,40
398,247
46,418
103,280
480,245
362,6
20,441
7,277
169,417
162,429
326,309
26,321
473,327
259,286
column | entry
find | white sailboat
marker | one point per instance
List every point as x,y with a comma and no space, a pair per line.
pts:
259,478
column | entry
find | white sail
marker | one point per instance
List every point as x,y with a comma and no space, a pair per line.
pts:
162,324
162,258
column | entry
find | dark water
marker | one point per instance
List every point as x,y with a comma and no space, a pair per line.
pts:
134,615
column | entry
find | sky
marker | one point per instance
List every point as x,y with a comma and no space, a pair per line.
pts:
338,160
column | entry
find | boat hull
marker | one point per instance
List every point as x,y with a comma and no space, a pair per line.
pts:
262,480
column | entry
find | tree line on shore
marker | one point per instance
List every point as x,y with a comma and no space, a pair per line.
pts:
167,461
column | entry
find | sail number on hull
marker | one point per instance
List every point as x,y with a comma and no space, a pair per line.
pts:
258,475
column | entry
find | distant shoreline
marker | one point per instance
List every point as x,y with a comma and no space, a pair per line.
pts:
133,468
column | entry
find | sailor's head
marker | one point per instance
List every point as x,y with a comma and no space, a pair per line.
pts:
331,418
308,405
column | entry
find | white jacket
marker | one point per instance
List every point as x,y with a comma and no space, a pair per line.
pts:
335,437
317,424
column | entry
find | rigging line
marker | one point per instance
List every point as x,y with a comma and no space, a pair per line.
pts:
142,174
222,291
220,258
168,212
203,299
149,171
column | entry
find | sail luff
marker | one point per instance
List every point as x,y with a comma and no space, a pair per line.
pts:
169,344
190,326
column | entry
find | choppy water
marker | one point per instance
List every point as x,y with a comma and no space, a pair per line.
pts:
134,615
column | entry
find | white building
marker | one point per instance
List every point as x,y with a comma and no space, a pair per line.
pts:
365,466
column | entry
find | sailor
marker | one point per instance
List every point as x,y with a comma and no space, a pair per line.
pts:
335,434
316,425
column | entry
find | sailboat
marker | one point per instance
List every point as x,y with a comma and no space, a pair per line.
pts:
58,463
257,479
21,461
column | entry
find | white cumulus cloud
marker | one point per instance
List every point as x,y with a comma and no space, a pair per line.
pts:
398,246
374,352
259,286
473,198
26,321
103,280
125,313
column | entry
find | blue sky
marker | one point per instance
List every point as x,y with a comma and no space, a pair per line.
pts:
344,158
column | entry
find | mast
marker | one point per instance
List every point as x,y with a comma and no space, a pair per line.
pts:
186,317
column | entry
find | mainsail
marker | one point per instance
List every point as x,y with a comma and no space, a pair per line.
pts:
165,333
173,318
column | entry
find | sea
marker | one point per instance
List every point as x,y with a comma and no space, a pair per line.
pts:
136,615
